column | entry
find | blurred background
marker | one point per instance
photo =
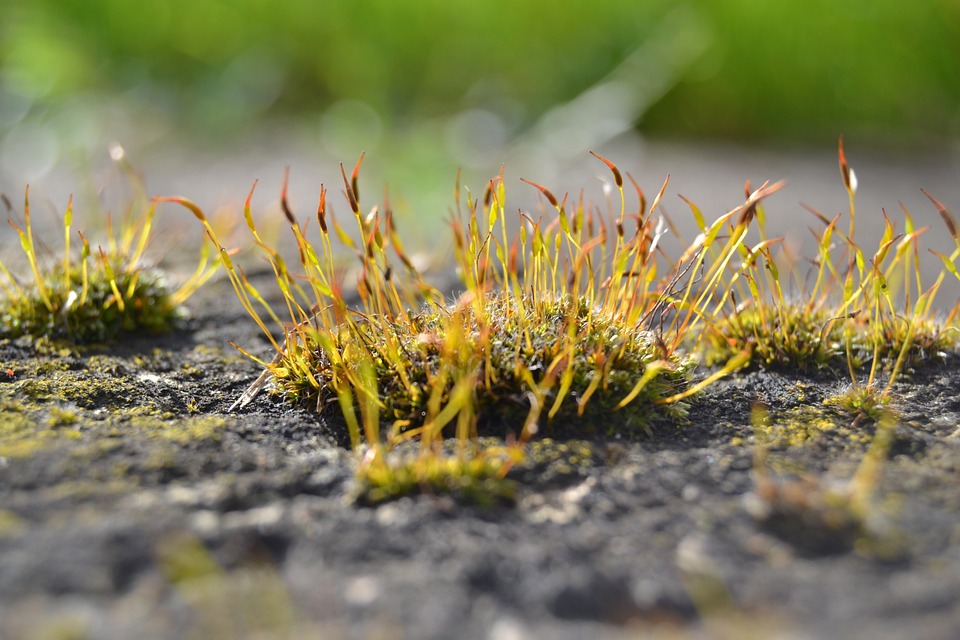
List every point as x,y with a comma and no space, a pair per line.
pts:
206,95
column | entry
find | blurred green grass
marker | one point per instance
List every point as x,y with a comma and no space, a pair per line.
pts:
789,71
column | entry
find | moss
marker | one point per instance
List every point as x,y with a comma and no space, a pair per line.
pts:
96,401
24,434
794,427
786,337
93,296
549,458
805,424
862,403
13,421
21,448
476,476
794,336
498,347
50,366
80,389
19,435
191,370
159,460
112,365
487,474
60,417
147,305
178,429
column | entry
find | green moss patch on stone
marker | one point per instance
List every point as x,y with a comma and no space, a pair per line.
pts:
514,341
792,336
96,401
149,306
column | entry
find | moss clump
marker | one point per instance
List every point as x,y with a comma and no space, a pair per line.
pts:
145,305
926,338
794,336
578,316
788,337
98,295
477,477
863,404
512,349
578,321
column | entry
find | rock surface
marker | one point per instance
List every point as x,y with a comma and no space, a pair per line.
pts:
132,504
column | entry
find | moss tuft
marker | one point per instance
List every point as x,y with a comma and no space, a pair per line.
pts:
477,478
148,307
786,337
506,344
863,404
793,336
99,295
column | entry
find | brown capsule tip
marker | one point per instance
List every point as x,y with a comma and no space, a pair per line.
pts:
552,199
354,205
286,211
849,177
355,177
284,205
617,177
948,218
322,209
